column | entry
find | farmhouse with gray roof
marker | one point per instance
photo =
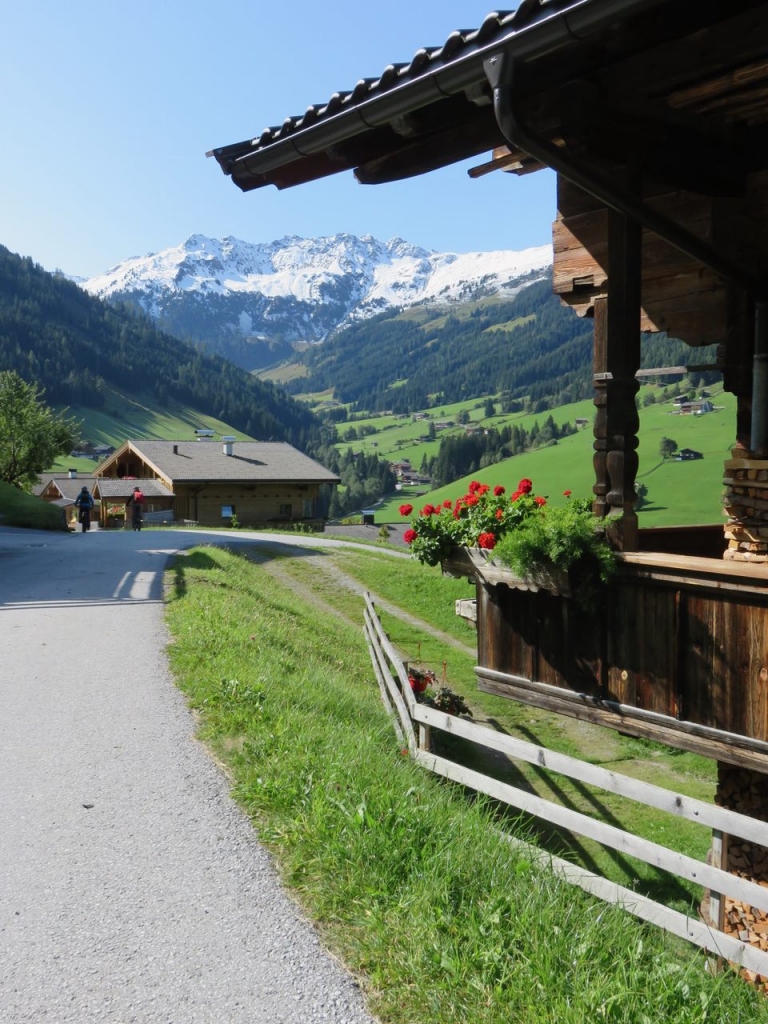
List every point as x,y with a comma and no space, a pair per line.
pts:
211,482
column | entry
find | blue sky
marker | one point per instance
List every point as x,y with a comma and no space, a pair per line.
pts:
108,110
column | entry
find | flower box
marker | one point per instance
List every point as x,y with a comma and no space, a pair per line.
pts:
480,564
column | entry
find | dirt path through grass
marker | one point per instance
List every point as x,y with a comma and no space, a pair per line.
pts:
334,577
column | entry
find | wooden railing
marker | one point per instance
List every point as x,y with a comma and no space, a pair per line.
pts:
414,722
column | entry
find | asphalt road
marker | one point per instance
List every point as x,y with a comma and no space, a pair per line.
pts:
132,889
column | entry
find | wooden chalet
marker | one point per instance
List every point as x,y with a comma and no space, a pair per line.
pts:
62,489
654,114
209,483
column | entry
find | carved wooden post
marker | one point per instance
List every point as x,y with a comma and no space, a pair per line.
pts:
616,361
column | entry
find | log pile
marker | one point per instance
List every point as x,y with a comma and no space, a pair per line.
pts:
745,791
746,505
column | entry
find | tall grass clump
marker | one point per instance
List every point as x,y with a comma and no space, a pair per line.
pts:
410,879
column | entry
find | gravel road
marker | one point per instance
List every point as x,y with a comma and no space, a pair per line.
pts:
132,889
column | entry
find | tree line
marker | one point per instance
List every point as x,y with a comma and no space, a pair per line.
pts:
74,346
529,348
463,454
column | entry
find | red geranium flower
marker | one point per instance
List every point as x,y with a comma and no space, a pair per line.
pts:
486,540
428,510
498,490
447,503
499,513
405,510
525,486
566,494
482,489
470,500
516,495
474,485
540,501
410,536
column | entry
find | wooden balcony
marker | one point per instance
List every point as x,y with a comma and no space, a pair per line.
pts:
676,649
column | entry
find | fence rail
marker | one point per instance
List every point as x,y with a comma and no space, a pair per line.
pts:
414,722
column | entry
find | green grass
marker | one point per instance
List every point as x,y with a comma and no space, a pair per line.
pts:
679,493
424,593
410,880
17,508
123,418
510,325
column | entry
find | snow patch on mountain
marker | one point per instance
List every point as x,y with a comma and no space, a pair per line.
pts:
302,289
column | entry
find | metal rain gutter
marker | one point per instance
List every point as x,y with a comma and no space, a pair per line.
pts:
529,42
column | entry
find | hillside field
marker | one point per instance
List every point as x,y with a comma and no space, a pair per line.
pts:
679,493
123,418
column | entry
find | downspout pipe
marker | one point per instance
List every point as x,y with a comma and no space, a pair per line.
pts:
499,70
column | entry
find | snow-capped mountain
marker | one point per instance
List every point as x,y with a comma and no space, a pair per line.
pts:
252,302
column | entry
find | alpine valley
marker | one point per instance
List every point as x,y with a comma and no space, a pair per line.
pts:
375,325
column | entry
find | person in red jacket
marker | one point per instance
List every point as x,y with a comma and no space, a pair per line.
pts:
136,501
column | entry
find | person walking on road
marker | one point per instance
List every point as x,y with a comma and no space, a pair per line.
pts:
136,501
84,504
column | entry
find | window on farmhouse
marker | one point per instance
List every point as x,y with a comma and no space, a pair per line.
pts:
286,511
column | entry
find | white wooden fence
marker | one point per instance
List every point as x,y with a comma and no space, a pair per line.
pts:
413,723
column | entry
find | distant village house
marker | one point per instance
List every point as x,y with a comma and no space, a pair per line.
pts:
210,482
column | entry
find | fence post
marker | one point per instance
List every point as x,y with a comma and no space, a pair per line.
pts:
425,737
716,899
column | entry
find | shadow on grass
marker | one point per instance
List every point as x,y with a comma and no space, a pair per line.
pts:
192,561
556,840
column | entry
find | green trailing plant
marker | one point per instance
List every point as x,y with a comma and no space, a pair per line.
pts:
446,700
568,537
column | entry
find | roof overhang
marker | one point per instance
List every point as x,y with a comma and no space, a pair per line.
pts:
623,98
582,69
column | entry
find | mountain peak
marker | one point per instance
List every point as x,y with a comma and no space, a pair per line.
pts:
229,293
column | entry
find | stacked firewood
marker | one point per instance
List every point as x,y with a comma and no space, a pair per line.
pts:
745,791
746,505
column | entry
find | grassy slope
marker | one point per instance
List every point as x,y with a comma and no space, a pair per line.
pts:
425,593
679,493
410,881
123,418
20,509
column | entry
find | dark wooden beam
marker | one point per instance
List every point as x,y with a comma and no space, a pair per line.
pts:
616,362
434,149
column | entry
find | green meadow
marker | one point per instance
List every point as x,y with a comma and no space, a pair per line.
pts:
123,418
679,493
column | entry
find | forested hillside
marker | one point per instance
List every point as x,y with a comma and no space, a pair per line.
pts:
529,347
72,344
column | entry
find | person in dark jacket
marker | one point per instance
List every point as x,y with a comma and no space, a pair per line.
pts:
136,501
84,504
